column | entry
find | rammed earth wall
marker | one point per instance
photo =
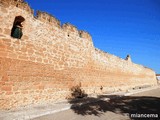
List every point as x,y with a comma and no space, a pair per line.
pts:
50,59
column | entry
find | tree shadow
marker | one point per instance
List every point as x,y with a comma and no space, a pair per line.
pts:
117,104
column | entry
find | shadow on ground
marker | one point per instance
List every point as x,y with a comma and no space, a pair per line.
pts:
116,104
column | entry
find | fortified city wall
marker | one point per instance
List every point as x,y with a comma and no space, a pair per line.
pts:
51,58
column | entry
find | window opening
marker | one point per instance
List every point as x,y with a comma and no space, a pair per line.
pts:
16,31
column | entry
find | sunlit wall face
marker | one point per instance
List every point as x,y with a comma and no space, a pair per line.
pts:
119,27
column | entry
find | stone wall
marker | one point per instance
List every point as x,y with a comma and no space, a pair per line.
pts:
51,58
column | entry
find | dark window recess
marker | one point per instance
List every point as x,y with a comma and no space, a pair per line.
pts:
80,35
16,31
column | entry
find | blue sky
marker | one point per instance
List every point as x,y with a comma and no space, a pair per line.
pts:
119,27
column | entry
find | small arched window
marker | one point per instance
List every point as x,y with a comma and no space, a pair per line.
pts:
80,35
16,31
